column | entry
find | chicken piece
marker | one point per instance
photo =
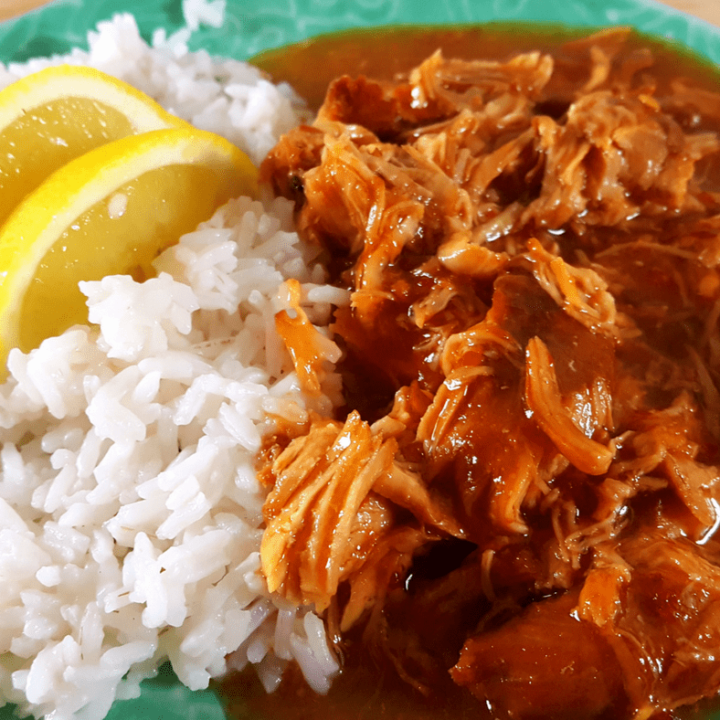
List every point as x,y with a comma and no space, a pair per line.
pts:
402,486
333,504
297,151
611,157
421,632
310,350
544,663
543,399
436,90
602,60
384,570
321,482
461,255
640,636
580,292
666,443
668,629
478,423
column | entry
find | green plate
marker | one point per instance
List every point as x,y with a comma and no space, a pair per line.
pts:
255,25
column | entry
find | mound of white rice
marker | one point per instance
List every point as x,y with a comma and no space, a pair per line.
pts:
130,514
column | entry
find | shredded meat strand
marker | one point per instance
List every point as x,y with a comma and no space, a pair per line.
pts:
532,371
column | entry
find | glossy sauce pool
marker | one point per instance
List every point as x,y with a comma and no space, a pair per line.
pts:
381,53
367,690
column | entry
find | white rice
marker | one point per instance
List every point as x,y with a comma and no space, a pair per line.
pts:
130,513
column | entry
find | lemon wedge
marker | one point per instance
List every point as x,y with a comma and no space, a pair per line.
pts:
57,114
110,211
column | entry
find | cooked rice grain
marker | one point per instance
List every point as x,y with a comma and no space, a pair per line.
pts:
130,513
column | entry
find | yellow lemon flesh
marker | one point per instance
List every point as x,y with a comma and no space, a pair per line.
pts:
110,211
55,115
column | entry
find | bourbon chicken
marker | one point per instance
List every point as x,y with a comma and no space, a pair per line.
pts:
531,364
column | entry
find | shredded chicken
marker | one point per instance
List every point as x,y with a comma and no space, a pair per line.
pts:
531,247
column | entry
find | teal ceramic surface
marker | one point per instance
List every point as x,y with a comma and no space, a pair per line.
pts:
255,25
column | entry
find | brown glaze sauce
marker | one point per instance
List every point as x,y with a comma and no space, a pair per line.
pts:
383,52
368,688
